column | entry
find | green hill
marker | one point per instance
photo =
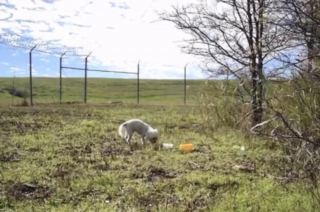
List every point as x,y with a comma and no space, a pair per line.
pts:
103,90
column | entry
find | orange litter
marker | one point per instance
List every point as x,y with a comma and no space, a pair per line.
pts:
186,147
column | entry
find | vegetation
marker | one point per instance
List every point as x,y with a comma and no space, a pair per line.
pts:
257,141
69,158
102,90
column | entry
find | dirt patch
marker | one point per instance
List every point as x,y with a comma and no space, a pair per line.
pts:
82,155
21,191
35,149
201,201
137,175
71,136
73,102
17,126
112,149
102,167
159,173
203,148
79,197
225,186
74,151
245,166
63,169
189,126
10,157
183,126
149,200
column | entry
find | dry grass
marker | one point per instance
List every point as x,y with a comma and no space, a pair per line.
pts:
69,158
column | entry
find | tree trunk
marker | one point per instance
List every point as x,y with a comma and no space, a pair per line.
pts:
256,98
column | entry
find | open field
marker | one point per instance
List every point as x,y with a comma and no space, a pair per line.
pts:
102,90
69,158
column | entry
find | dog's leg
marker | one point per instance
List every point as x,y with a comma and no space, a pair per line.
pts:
126,138
129,134
143,140
129,137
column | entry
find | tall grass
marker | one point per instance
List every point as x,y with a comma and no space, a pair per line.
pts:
291,124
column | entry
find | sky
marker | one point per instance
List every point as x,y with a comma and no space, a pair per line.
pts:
117,33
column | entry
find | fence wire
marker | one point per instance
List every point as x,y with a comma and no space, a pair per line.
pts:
78,84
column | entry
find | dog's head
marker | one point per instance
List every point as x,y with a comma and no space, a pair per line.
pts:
152,135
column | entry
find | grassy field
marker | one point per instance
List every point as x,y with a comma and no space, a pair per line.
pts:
70,158
102,90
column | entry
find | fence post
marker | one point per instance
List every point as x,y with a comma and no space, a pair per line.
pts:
60,78
86,78
138,83
30,75
185,84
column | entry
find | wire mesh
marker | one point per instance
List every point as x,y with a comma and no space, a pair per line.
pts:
108,88
103,87
14,83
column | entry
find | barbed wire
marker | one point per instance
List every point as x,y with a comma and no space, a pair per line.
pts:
44,47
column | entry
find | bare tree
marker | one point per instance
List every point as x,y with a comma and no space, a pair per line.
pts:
302,21
297,109
242,39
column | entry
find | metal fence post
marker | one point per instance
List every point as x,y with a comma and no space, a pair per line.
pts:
86,78
30,75
138,83
60,78
185,84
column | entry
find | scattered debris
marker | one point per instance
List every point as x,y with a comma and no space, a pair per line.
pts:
244,168
242,148
108,199
186,147
193,163
167,145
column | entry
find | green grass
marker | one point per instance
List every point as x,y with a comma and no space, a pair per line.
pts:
70,158
100,90
74,161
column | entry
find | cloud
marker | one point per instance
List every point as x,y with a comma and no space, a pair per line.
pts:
4,63
58,74
118,33
16,70
44,60
20,71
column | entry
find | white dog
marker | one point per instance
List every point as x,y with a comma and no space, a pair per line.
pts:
127,129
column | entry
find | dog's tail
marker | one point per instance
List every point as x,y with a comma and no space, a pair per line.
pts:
122,130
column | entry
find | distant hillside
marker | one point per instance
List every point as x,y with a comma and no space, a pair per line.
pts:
103,90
